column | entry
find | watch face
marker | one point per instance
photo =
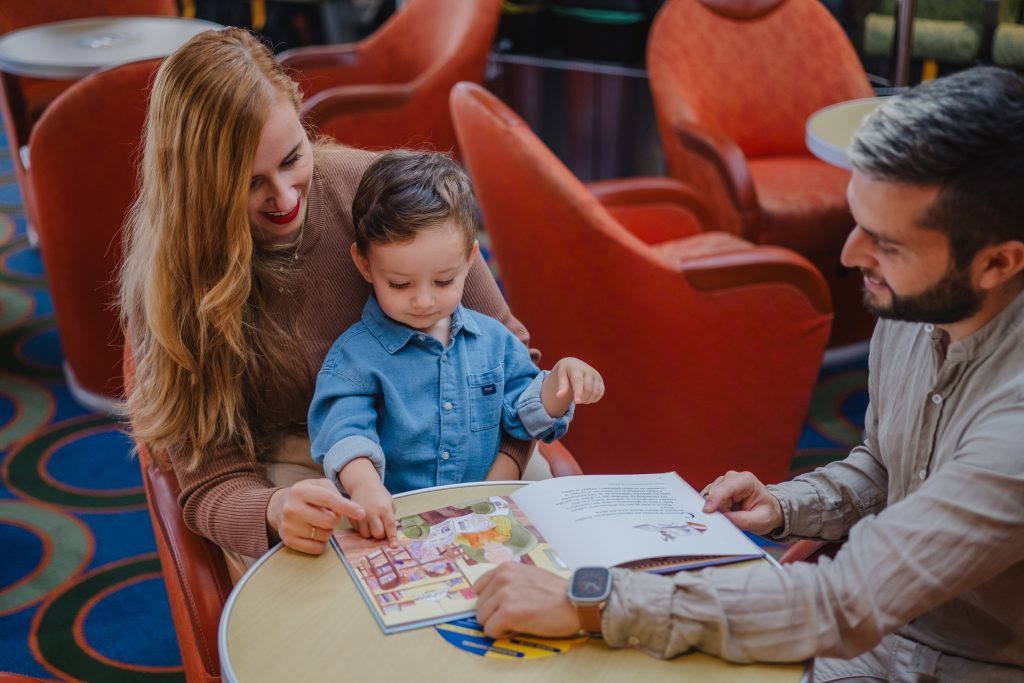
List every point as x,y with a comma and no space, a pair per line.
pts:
590,584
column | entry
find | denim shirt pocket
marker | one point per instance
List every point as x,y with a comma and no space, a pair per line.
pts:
486,392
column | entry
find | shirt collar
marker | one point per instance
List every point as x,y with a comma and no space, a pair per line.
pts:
394,335
1008,323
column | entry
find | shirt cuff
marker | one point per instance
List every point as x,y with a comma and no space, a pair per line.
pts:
347,450
638,613
534,415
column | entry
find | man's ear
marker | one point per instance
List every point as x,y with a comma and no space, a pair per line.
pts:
362,264
998,263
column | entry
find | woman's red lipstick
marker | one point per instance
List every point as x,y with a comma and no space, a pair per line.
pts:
287,218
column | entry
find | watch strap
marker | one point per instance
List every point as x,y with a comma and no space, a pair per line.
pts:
590,617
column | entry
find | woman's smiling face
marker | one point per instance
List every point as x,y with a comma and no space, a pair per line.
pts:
281,173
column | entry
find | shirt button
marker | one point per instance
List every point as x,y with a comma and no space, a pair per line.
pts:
936,399
422,337
445,455
444,357
634,641
929,328
447,405
923,474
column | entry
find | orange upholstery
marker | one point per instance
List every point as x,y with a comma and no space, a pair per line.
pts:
391,89
809,551
83,156
23,99
709,345
734,82
194,568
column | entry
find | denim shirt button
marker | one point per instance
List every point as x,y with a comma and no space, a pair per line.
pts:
422,337
445,455
444,357
447,405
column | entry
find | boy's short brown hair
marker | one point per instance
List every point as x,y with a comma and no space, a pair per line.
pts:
404,192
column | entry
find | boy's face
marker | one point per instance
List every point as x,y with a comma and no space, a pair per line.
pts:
419,283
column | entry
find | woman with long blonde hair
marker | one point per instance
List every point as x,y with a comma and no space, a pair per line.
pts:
236,280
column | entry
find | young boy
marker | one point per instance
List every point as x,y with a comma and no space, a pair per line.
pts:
418,392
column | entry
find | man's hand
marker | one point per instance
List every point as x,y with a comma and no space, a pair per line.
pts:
745,501
359,477
516,598
304,514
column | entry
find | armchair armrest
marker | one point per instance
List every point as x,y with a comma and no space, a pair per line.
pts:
626,192
559,459
351,99
317,57
195,572
730,162
753,266
809,551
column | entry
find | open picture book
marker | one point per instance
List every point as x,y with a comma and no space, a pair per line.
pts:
650,522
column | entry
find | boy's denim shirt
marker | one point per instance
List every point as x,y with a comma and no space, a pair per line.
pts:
434,414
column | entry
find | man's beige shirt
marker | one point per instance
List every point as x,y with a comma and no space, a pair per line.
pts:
933,503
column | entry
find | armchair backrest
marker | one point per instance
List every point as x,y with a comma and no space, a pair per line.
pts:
701,376
421,51
16,14
194,569
755,78
84,153
23,99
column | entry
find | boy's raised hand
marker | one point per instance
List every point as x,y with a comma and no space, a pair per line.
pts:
585,382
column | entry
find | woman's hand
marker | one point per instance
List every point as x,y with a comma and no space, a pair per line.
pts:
304,514
504,468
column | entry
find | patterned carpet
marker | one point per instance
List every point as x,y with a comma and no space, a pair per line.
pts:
81,597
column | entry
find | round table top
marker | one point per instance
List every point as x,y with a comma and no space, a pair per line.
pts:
77,47
298,617
830,129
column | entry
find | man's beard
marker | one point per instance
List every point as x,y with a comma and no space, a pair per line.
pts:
948,301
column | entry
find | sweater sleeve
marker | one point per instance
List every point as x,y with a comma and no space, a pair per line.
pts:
225,499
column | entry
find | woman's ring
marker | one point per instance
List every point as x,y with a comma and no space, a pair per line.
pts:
312,532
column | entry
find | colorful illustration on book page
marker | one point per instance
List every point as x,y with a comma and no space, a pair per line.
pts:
440,554
468,635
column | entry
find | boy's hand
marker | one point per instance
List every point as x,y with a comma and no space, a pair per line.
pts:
362,482
585,382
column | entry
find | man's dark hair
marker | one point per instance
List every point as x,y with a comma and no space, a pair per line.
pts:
964,133
404,192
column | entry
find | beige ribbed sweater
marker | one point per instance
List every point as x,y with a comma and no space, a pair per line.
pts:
226,498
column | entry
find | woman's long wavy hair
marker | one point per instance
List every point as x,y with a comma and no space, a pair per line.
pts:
193,283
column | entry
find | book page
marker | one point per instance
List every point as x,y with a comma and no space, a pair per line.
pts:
428,578
607,520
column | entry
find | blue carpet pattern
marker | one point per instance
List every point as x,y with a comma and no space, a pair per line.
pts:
81,596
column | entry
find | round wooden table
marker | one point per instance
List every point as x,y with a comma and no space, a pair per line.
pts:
295,617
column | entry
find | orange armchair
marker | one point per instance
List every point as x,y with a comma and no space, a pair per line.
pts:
23,99
194,568
709,346
734,82
83,153
391,89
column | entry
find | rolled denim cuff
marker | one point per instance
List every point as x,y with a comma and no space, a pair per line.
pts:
535,417
347,450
